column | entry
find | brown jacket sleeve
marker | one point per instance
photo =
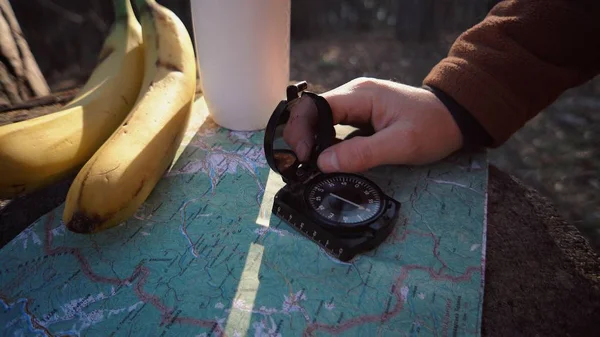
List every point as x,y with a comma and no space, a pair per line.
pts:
519,59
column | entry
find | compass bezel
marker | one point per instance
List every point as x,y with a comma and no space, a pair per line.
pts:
342,226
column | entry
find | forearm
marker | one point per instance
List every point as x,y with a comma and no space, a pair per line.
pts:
519,59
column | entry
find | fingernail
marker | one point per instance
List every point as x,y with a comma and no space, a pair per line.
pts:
328,161
302,151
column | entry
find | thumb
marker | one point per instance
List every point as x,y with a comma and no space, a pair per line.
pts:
356,154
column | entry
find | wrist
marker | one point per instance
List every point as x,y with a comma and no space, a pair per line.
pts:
446,128
473,135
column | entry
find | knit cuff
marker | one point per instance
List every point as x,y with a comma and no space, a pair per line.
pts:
474,135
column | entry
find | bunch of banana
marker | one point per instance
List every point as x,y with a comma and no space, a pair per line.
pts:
122,173
39,151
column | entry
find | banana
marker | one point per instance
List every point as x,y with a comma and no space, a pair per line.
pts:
37,152
120,176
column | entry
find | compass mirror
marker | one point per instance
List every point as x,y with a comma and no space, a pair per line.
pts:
295,137
298,131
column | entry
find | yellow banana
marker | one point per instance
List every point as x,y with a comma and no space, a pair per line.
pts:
114,183
42,150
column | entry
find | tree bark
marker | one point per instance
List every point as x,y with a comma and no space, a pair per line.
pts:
20,76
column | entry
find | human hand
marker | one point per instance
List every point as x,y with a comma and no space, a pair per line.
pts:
411,126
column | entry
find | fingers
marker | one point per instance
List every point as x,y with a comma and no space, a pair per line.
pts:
411,126
358,154
352,102
300,129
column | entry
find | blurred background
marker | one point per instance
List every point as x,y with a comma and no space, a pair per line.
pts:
334,41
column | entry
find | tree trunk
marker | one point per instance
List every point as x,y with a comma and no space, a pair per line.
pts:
20,76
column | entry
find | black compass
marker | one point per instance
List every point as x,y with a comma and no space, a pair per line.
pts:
346,214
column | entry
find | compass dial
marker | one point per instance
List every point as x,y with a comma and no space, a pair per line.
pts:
345,199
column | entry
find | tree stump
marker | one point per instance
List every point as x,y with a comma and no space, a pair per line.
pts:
20,76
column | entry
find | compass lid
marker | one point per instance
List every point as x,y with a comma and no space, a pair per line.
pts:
300,128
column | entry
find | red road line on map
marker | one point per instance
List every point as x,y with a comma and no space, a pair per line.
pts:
152,299
444,277
34,321
436,244
85,266
166,313
32,318
143,272
336,329
364,319
200,322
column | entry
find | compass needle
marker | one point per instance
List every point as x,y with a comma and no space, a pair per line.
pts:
346,200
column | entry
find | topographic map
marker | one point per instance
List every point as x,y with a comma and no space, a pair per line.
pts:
205,257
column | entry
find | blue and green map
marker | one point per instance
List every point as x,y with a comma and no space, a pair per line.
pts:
204,256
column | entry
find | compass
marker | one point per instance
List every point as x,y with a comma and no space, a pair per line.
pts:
345,214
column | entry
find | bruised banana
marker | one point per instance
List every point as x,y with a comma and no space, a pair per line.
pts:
120,176
37,152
